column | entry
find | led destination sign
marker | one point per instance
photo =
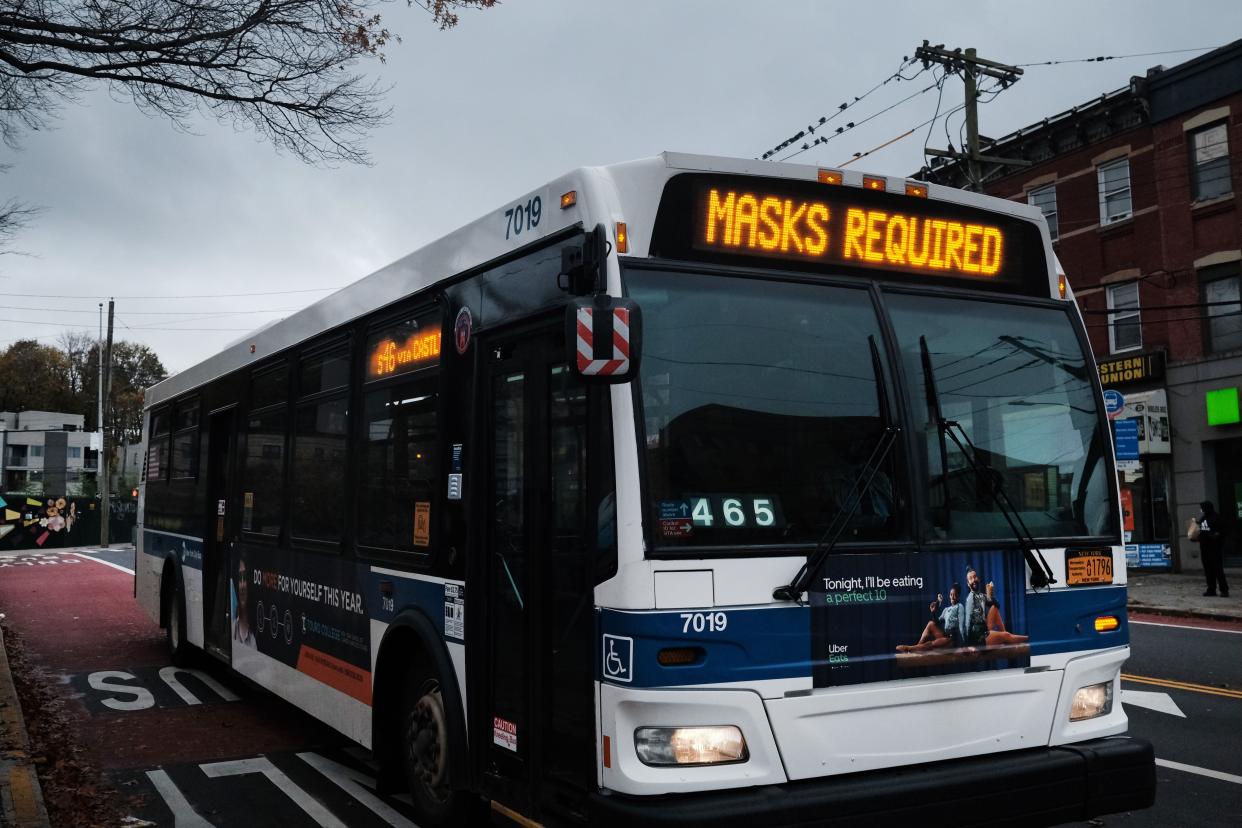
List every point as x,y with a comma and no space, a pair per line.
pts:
759,223
834,230
393,352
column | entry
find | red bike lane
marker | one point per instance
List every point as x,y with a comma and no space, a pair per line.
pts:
199,747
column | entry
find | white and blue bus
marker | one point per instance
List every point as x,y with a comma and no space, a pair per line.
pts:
683,490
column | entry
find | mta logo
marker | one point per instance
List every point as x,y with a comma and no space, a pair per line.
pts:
618,658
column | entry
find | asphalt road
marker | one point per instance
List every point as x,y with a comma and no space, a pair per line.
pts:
1199,755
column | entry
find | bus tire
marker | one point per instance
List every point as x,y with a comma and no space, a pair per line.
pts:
174,630
426,737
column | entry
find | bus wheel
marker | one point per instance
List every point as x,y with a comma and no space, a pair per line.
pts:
178,647
425,752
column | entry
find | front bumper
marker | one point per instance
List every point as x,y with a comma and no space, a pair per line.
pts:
1044,786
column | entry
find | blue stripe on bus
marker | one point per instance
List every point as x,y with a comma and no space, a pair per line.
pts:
188,551
408,591
1063,620
756,644
761,643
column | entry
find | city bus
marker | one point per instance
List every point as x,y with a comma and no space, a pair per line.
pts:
685,490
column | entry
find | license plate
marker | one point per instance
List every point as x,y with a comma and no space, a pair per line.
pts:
1088,566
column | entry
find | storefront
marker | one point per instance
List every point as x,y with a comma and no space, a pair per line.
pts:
1138,406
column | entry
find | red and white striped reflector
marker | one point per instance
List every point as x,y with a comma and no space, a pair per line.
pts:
593,327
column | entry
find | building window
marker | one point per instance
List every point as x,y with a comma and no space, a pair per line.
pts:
1045,198
1221,298
1125,332
75,452
1209,162
1114,180
36,451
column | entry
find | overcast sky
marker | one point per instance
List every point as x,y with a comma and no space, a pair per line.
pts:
510,98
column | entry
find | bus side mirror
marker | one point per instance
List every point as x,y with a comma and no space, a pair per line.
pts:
604,337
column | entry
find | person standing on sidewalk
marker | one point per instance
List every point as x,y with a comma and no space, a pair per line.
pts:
1211,544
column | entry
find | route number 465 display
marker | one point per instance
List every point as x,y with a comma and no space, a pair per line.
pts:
736,511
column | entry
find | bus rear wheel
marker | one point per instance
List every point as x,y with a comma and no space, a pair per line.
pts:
427,737
178,647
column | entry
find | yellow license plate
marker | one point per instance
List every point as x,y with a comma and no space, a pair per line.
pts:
1084,567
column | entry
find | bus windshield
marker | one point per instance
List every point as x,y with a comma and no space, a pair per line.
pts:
1015,379
761,406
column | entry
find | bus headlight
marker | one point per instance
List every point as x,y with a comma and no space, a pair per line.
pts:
1091,701
690,745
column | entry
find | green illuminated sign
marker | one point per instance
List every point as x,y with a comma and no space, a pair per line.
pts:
1222,407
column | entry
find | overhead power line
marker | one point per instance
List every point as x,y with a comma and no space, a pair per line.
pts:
154,313
824,120
183,296
93,327
1102,58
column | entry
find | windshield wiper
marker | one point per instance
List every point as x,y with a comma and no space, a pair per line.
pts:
857,490
1041,572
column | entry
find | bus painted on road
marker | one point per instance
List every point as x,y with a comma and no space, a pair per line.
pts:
688,489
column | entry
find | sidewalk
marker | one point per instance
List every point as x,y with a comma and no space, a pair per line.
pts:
1164,593
21,799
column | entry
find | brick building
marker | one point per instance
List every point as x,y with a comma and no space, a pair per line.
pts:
1138,187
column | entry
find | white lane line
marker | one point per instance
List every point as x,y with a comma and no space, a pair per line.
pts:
1224,777
105,563
184,815
1186,627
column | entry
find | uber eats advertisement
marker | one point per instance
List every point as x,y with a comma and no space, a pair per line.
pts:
887,616
315,621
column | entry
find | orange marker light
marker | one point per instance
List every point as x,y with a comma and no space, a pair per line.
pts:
1061,285
569,199
917,190
871,182
623,238
1106,623
831,177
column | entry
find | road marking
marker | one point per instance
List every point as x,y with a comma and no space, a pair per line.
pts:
1186,627
1224,777
124,569
1160,702
1184,685
184,815
358,785
262,765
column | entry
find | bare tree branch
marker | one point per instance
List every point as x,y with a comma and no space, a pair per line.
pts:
284,68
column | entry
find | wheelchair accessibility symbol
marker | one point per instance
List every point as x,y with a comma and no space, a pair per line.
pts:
618,658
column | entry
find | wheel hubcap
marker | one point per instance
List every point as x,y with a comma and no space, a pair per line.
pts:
426,740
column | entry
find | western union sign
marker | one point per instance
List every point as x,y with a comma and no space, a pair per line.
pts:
1128,370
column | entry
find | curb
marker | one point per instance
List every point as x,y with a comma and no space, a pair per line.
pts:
21,798
1177,612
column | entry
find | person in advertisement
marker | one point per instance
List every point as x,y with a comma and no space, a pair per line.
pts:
1211,542
945,628
243,628
982,622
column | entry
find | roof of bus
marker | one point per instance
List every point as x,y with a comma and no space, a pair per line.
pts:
628,192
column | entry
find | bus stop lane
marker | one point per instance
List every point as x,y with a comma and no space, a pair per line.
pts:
190,747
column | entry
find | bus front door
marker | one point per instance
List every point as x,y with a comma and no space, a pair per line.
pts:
535,720
217,632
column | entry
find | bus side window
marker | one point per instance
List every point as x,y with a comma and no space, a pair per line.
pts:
157,447
264,465
320,446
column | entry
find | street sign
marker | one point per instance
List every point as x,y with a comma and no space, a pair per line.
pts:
1113,403
1125,439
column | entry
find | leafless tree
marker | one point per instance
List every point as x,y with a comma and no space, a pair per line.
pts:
282,67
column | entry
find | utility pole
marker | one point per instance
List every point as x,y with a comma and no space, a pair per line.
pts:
970,66
105,384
